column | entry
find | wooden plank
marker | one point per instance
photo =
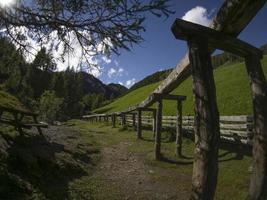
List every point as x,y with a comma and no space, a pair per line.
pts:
12,110
139,124
207,131
241,118
14,123
231,19
179,129
185,30
157,146
236,126
258,85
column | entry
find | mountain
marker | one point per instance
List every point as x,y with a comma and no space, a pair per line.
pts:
153,78
117,89
91,84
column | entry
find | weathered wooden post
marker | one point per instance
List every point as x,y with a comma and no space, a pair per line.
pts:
123,120
134,121
258,182
113,120
158,130
207,133
179,129
139,124
154,123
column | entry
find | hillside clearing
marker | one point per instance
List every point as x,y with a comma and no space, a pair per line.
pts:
233,93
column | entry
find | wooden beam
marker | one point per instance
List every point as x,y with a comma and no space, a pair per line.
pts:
157,150
231,19
12,110
38,127
134,121
113,119
139,124
154,123
185,30
258,182
179,130
207,132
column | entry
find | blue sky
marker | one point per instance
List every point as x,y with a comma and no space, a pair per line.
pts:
161,50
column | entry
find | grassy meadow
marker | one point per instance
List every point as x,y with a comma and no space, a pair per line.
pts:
232,87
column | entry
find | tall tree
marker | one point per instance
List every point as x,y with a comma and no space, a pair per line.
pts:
99,27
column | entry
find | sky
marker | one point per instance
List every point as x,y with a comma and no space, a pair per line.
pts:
159,50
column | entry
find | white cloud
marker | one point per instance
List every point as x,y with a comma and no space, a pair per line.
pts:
74,58
112,72
120,70
121,83
116,63
198,15
95,71
130,82
106,59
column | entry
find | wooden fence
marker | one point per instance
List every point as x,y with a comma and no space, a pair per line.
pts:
232,128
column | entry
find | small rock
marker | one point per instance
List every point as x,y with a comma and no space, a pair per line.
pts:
123,159
151,172
140,182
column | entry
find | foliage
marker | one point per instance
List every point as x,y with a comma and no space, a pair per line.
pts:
44,61
29,81
232,88
224,59
51,107
99,27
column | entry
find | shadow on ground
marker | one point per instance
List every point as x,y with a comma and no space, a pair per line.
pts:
35,167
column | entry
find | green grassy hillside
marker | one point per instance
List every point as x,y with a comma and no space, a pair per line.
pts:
9,101
233,93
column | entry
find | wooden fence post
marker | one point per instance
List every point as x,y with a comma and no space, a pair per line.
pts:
179,130
158,130
123,119
258,182
113,120
139,124
207,132
154,123
134,121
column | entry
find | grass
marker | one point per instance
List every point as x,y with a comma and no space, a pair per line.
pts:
8,100
232,85
233,163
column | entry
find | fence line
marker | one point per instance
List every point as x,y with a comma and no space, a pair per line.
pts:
232,128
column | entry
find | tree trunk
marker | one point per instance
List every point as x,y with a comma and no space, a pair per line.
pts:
206,128
158,130
179,130
258,182
139,124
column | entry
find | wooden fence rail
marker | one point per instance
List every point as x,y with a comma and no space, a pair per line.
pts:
232,128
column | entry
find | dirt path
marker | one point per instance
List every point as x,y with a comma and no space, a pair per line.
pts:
136,180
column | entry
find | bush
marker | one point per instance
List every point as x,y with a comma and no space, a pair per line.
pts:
51,107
